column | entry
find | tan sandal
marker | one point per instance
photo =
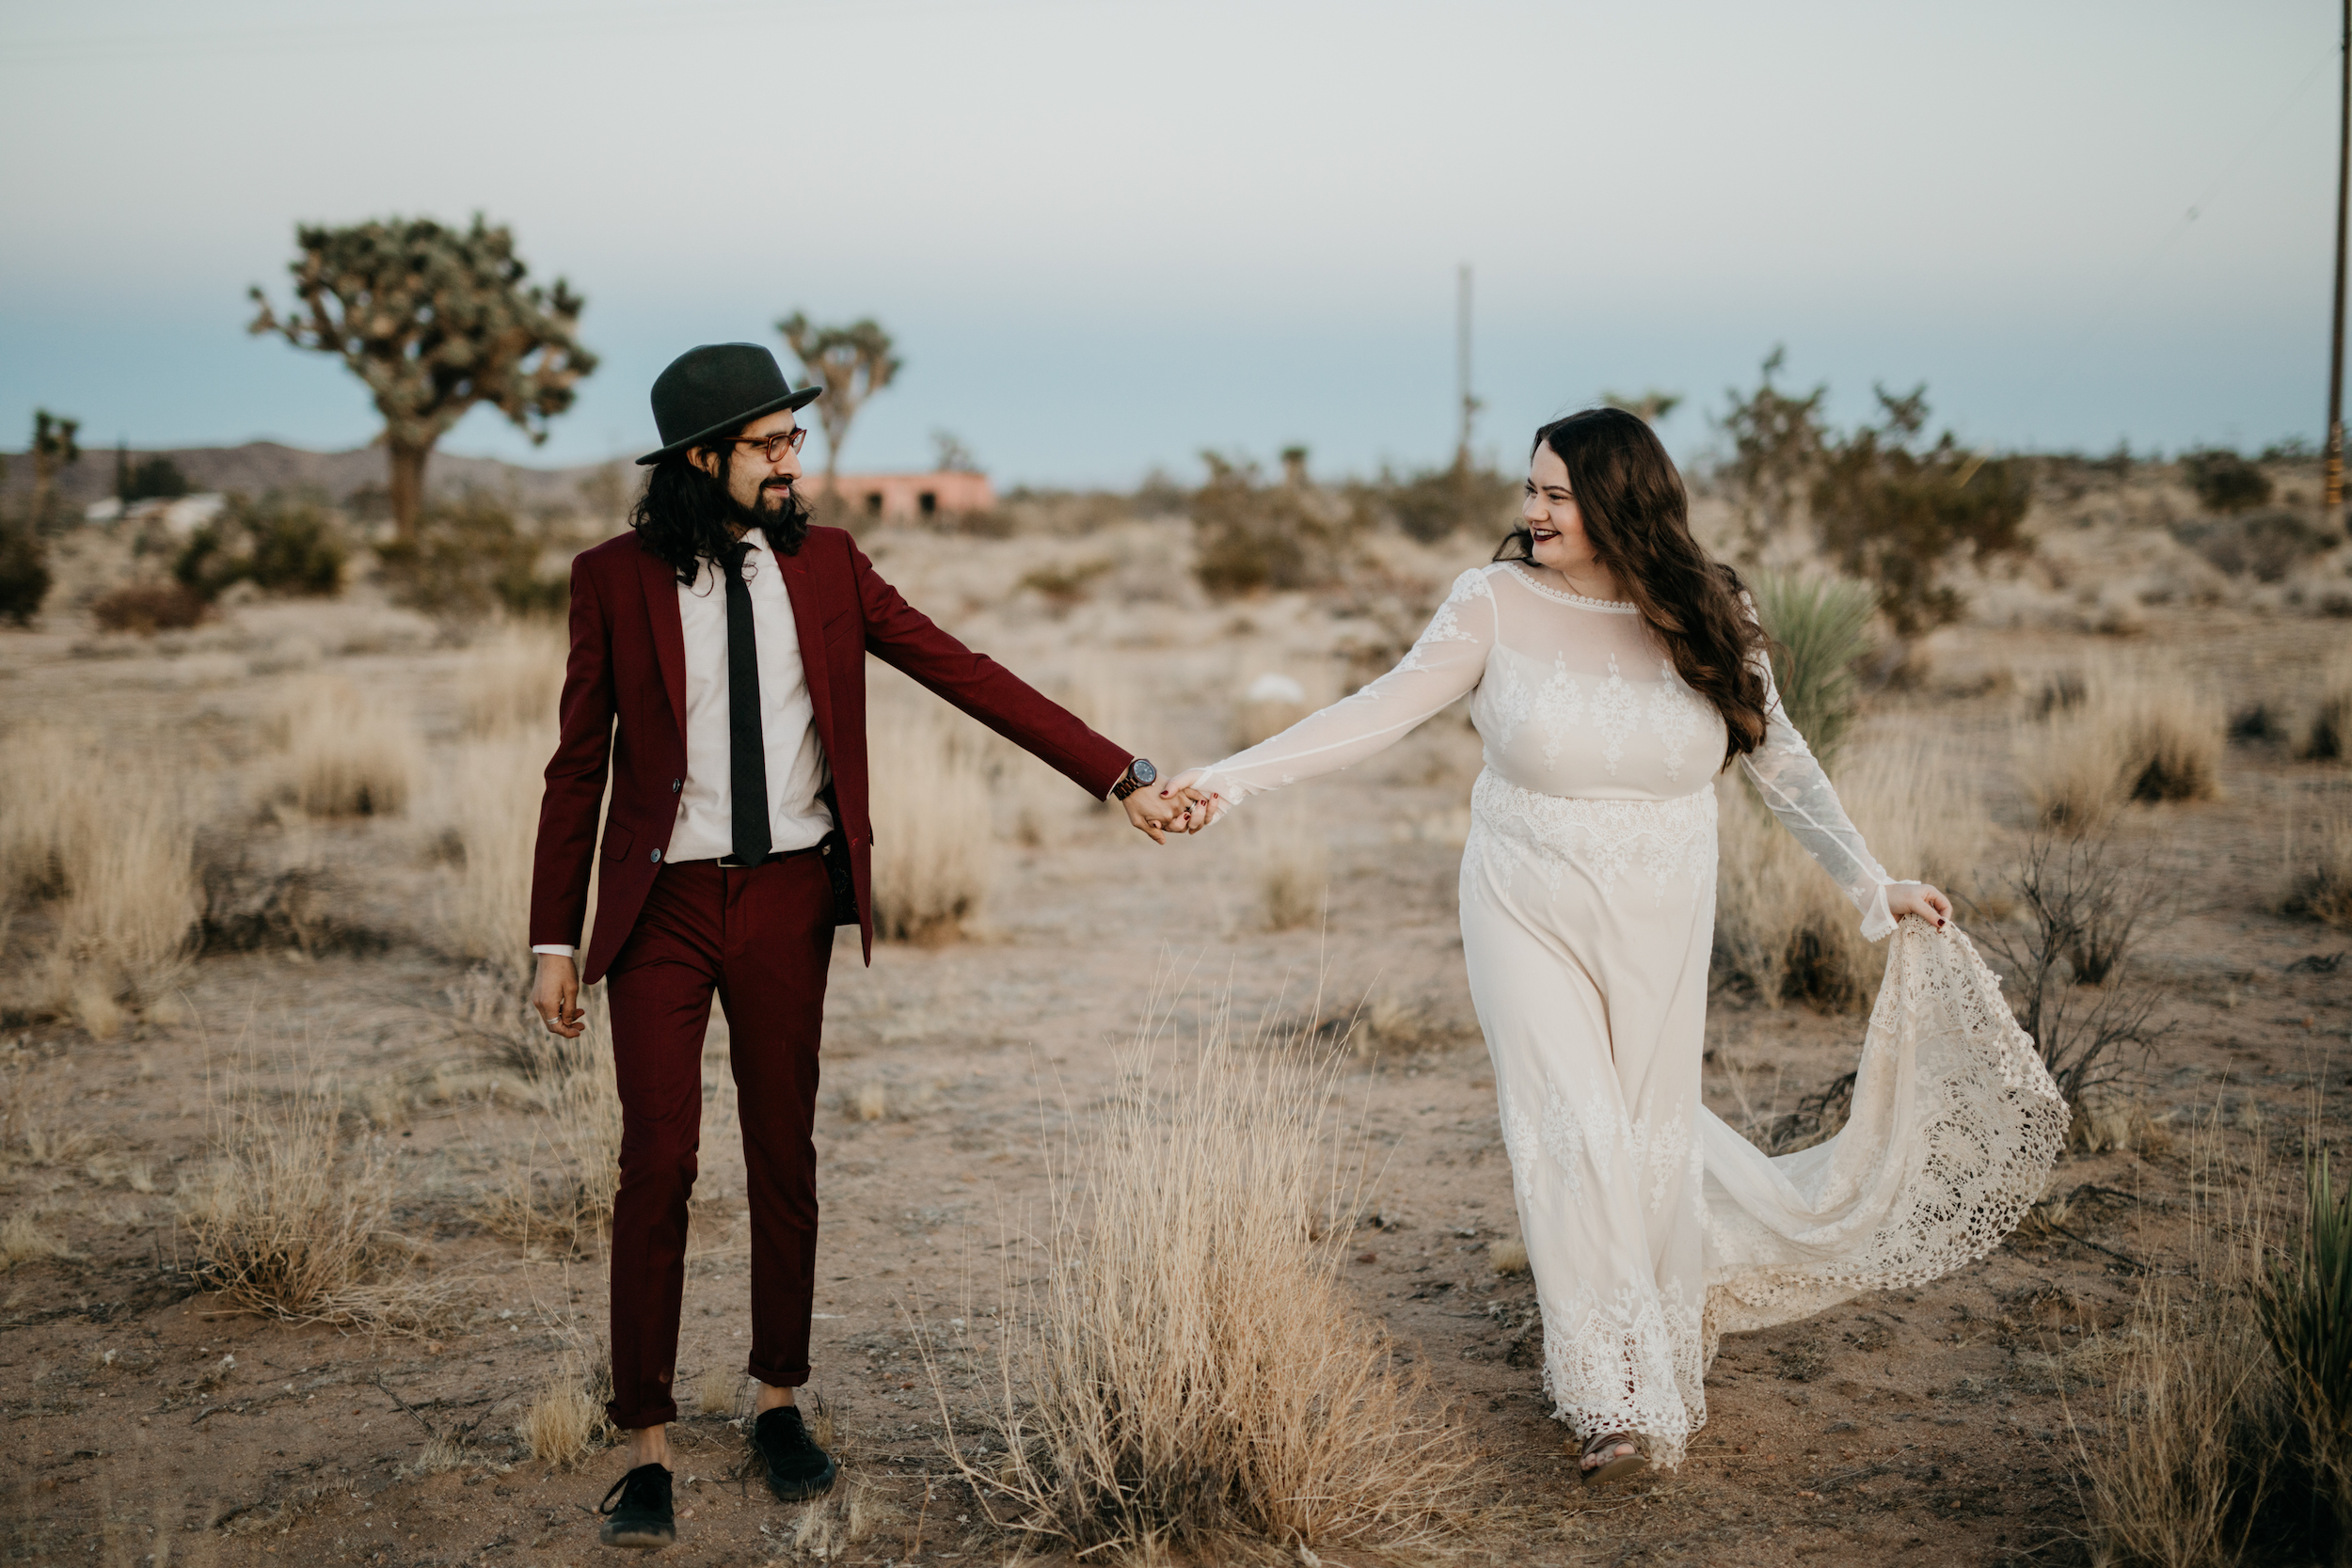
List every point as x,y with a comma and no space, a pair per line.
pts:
1617,1467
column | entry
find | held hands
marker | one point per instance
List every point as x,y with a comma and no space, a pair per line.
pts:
555,996
1157,811
1920,898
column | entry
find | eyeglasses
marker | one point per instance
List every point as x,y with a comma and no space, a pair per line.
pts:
774,447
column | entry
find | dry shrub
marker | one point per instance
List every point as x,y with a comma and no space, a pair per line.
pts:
106,843
1508,1257
2198,1465
934,853
2319,875
488,804
1267,707
2104,1126
290,1220
1792,933
558,1193
347,756
718,1391
148,608
2146,731
1183,1366
513,680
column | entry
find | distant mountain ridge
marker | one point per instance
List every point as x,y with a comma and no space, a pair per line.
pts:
259,466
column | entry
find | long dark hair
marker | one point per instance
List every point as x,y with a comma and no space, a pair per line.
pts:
1638,520
684,513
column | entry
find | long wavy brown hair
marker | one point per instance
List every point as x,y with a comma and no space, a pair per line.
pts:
1638,519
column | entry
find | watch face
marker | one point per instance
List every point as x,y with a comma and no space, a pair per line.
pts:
1142,771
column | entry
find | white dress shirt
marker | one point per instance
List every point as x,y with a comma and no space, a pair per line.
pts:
797,772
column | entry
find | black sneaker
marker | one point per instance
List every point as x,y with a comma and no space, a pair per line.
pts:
642,1517
798,1469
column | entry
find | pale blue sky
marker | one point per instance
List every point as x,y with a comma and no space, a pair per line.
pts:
1109,235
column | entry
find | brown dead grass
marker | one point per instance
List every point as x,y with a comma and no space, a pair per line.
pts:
565,1422
2192,1465
2320,873
935,846
103,846
2148,731
1784,926
487,804
346,755
512,680
557,1194
291,1220
1290,860
1183,1368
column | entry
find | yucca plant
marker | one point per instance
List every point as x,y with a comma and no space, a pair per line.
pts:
1821,629
2306,1310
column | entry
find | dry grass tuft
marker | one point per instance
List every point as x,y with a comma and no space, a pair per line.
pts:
934,852
2143,732
2107,1126
103,847
1183,1367
1508,1257
512,681
23,1240
719,1391
1792,933
2330,738
2319,878
2197,1459
488,804
36,1126
291,1221
1291,860
566,1421
559,1193
345,755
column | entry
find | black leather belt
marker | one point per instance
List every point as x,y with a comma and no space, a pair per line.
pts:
729,863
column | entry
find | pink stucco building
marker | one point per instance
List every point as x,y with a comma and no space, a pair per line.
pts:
911,497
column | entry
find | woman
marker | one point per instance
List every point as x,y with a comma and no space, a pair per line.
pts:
1616,668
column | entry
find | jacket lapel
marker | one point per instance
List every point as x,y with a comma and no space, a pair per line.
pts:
809,623
669,632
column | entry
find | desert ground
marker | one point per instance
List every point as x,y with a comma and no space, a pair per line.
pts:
360,968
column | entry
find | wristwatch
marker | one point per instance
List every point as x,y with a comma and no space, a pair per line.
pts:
1139,772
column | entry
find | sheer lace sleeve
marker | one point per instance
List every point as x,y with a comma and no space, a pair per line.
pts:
1444,663
1799,793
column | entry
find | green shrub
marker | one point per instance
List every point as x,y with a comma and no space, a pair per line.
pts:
1436,503
2224,482
1895,515
24,571
471,557
2306,1311
1250,537
1821,630
282,545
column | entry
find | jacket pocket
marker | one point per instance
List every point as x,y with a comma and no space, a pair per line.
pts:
616,842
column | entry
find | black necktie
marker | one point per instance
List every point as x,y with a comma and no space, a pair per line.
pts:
747,751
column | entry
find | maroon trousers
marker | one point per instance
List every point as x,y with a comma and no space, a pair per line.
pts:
762,937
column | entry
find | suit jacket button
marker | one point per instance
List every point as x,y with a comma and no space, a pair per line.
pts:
673,785
656,857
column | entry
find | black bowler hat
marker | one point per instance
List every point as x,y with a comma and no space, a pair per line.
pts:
716,389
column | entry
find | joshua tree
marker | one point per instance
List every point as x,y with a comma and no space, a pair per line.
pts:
53,448
851,363
434,320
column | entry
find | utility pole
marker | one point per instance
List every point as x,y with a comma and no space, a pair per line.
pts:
2334,483
1462,359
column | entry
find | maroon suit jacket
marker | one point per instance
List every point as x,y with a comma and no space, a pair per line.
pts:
628,663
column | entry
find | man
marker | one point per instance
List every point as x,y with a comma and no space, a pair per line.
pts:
727,638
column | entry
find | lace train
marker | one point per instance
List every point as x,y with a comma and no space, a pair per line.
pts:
1954,1128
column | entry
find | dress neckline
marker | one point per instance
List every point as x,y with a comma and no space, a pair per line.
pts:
1615,607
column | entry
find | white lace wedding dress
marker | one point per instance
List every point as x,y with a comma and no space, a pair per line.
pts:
1588,903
